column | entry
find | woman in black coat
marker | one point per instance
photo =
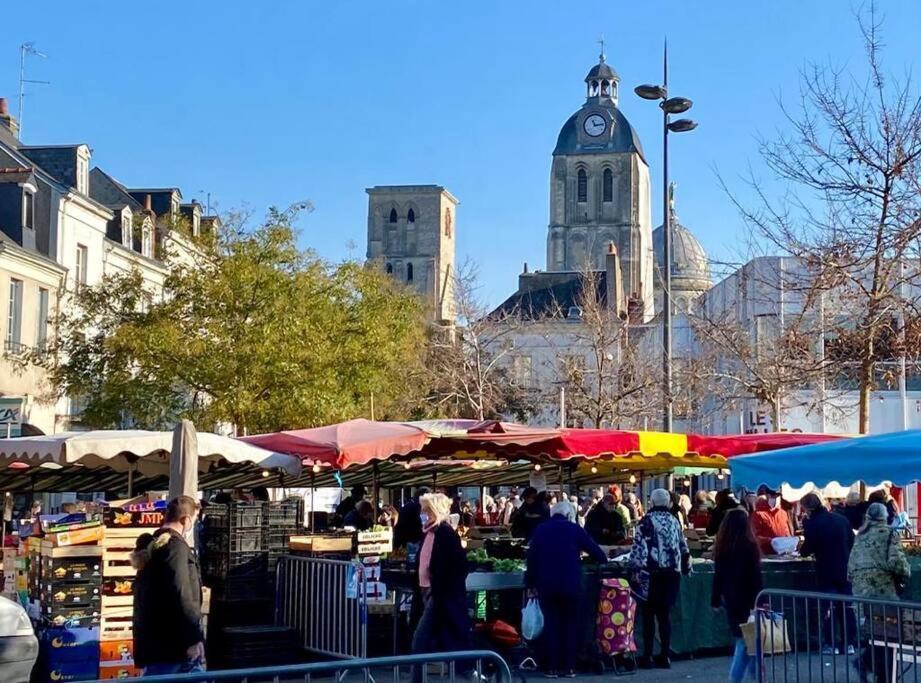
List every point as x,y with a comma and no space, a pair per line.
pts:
445,624
736,584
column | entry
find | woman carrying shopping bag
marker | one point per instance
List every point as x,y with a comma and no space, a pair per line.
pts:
554,576
736,583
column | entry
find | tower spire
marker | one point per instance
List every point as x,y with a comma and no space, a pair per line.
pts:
601,42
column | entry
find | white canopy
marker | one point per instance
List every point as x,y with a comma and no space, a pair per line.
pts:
117,449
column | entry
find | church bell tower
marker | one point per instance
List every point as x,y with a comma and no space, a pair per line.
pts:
599,191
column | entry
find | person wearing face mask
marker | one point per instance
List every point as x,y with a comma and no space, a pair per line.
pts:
168,637
770,520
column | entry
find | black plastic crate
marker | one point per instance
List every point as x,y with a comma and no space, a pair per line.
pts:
234,516
235,541
223,565
285,513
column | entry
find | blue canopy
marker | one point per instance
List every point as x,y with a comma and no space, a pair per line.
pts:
894,457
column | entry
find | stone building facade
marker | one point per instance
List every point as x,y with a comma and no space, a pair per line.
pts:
411,235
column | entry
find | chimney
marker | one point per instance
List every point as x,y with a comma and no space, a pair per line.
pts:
147,204
7,120
614,290
525,266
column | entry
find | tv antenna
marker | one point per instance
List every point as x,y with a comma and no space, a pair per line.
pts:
27,49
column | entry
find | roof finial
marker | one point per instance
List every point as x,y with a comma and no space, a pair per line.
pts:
601,42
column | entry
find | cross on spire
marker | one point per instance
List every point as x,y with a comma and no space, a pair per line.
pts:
601,42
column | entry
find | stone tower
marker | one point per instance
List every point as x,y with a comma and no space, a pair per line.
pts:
599,192
411,231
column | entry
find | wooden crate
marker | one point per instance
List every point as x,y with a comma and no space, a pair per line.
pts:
117,562
116,628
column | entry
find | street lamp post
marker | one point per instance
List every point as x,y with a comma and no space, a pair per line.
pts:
669,106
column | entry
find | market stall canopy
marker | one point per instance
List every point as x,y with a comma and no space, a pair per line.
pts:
730,445
894,457
148,453
355,442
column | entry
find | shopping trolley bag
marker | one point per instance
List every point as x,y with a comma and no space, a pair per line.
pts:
616,617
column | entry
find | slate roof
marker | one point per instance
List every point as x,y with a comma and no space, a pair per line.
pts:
623,138
554,299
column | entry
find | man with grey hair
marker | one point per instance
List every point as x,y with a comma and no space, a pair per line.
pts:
554,576
659,556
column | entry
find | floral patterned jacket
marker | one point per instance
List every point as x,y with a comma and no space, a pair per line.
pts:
876,562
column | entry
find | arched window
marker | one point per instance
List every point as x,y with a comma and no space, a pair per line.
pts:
390,269
607,186
411,216
393,215
582,186
604,88
409,271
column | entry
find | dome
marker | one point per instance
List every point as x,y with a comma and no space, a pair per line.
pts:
690,266
602,71
623,138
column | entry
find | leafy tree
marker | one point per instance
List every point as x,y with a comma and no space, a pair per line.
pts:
258,334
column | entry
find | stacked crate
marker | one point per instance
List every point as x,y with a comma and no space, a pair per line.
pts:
122,530
234,561
280,521
67,584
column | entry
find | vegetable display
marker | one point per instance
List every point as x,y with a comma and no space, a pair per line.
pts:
480,556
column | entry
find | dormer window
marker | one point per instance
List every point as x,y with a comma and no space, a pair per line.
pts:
126,229
28,210
82,180
146,242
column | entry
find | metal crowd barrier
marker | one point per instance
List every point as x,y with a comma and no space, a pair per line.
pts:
810,636
484,665
325,602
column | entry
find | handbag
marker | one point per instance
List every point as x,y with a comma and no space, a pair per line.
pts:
774,637
640,578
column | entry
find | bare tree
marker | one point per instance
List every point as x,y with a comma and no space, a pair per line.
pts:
608,379
851,211
469,366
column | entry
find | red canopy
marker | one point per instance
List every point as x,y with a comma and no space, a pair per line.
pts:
355,442
742,444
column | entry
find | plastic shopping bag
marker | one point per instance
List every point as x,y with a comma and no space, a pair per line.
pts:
532,620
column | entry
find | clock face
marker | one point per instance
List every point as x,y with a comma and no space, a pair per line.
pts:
594,125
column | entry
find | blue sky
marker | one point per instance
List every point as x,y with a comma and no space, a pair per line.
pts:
274,102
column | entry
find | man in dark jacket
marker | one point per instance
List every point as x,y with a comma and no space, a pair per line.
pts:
604,524
349,503
533,511
554,573
829,537
408,528
167,598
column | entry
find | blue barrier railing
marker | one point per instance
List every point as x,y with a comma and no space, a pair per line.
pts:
483,665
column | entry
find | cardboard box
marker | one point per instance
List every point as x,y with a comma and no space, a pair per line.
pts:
71,568
114,670
69,644
123,585
78,670
78,537
48,549
86,615
118,518
71,593
118,651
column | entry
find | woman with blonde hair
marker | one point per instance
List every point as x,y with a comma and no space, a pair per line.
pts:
444,625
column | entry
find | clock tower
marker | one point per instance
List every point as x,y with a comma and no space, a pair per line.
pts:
599,192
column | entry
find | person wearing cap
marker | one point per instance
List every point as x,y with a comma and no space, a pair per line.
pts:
828,537
661,551
770,520
554,575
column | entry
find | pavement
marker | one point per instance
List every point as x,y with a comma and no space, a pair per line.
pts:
713,669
